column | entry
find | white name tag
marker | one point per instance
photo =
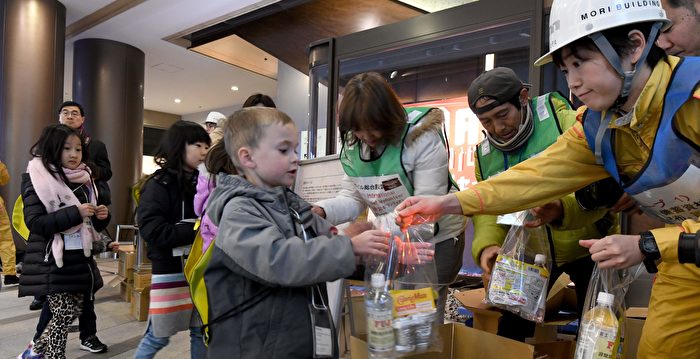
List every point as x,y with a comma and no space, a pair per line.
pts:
324,346
72,241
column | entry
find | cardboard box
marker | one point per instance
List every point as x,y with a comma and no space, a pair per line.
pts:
142,279
127,259
125,290
634,322
486,317
140,300
462,342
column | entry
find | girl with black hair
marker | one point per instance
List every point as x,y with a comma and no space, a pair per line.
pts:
64,214
166,220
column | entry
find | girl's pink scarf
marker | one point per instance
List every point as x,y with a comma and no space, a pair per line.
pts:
53,192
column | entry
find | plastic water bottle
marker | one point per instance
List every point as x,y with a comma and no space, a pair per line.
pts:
599,330
380,333
537,290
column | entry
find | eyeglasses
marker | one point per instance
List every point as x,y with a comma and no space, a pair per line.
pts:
70,113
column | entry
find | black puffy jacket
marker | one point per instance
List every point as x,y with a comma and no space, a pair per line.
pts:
97,151
164,204
40,275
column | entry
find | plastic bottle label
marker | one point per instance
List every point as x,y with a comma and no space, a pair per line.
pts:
380,334
597,342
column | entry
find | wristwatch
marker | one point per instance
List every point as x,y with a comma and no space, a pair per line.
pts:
689,248
650,251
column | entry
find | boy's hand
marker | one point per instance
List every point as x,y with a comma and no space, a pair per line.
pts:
101,212
86,210
416,252
319,211
355,228
373,242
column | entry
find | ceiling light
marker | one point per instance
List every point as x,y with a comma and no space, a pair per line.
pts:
489,62
393,74
234,88
177,100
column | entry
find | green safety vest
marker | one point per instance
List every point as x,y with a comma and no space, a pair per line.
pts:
547,128
383,182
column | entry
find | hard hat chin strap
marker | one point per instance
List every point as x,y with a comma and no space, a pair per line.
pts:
627,76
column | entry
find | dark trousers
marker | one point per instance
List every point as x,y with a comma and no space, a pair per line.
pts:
87,321
514,327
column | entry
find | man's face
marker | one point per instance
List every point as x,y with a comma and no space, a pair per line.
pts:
501,122
683,37
71,117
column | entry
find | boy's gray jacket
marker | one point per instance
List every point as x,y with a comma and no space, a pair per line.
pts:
259,245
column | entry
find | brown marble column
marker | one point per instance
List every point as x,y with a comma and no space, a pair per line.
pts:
108,82
32,36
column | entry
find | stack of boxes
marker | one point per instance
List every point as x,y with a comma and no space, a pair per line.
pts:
125,271
135,285
140,295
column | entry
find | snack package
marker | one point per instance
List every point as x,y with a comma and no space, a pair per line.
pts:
411,280
602,324
520,275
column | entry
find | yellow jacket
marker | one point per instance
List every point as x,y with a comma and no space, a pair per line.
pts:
576,224
4,179
569,164
4,175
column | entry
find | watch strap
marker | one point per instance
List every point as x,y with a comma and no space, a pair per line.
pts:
650,251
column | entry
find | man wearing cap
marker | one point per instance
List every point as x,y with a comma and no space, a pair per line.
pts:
518,128
212,126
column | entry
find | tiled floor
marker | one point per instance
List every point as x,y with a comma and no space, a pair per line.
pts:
115,325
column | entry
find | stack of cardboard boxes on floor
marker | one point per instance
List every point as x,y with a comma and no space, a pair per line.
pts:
135,283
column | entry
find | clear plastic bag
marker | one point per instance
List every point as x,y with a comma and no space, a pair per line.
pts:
602,324
411,278
520,275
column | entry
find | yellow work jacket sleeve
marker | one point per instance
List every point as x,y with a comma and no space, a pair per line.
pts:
573,216
564,167
667,239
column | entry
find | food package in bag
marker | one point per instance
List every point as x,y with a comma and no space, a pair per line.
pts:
602,324
411,279
520,275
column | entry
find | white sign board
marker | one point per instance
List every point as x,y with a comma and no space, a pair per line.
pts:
319,178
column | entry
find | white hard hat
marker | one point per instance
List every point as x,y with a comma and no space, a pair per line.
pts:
214,117
571,20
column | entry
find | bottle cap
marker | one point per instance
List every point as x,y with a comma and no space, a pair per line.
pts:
377,280
605,298
540,259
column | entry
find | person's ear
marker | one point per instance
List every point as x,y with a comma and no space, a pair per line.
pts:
524,95
639,41
245,157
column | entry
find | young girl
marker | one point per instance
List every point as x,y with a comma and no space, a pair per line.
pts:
383,142
63,216
641,128
166,220
217,161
